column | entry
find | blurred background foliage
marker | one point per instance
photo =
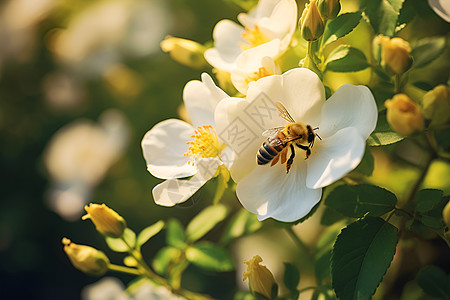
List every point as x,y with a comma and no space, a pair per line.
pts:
95,69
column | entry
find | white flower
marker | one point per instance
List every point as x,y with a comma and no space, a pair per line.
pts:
174,149
271,20
343,123
441,8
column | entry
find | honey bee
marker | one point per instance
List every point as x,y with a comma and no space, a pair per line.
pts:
280,139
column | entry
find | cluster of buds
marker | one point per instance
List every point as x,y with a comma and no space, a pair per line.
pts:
260,279
314,15
395,54
106,220
404,115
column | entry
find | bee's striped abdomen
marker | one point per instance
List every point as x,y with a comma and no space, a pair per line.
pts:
267,152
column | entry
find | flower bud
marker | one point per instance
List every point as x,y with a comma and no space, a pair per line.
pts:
436,105
106,220
395,54
446,214
329,9
186,52
311,23
260,278
86,259
403,115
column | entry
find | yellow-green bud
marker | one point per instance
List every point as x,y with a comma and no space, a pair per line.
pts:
436,105
106,220
259,277
403,115
186,52
86,259
395,54
446,214
329,9
311,23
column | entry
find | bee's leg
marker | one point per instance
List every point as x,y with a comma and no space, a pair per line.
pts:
275,159
290,160
306,148
283,155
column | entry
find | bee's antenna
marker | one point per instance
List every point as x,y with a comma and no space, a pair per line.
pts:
316,133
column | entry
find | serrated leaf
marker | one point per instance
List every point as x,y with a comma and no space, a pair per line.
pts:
148,232
383,134
427,199
164,258
427,50
209,257
358,200
330,216
361,256
291,276
205,221
434,282
346,58
367,163
340,27
175,234
119,245
242,223
382,15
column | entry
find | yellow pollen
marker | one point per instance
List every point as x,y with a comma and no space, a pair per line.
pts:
254,37
206,143
262,72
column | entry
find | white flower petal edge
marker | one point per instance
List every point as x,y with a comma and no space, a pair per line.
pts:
441,8
271,193
164,146
174,191
201,98
334,157
350,106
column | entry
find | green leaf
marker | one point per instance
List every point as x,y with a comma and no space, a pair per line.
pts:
427,50
164,258
345,58
427,199
358,200
367,163
382,15
434,282
119,245
432,222
361,256
175,234
330,216
209,257
291,276
149,232
340,27
205,221
383,134
242,223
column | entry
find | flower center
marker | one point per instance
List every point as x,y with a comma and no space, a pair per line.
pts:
254,37
262,72
206,143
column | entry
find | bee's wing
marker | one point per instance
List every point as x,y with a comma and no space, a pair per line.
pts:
282,111
272,131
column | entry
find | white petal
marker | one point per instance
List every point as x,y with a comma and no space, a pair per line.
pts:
227,38
240,123
271,193
333,157
303,95
263,9
174,191
441,8
350,106
200,99
163,148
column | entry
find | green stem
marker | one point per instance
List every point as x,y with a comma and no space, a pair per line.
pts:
397,88
123,269
309,61
300,244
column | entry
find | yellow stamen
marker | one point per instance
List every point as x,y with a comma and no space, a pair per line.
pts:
254,37
262,72
206,143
